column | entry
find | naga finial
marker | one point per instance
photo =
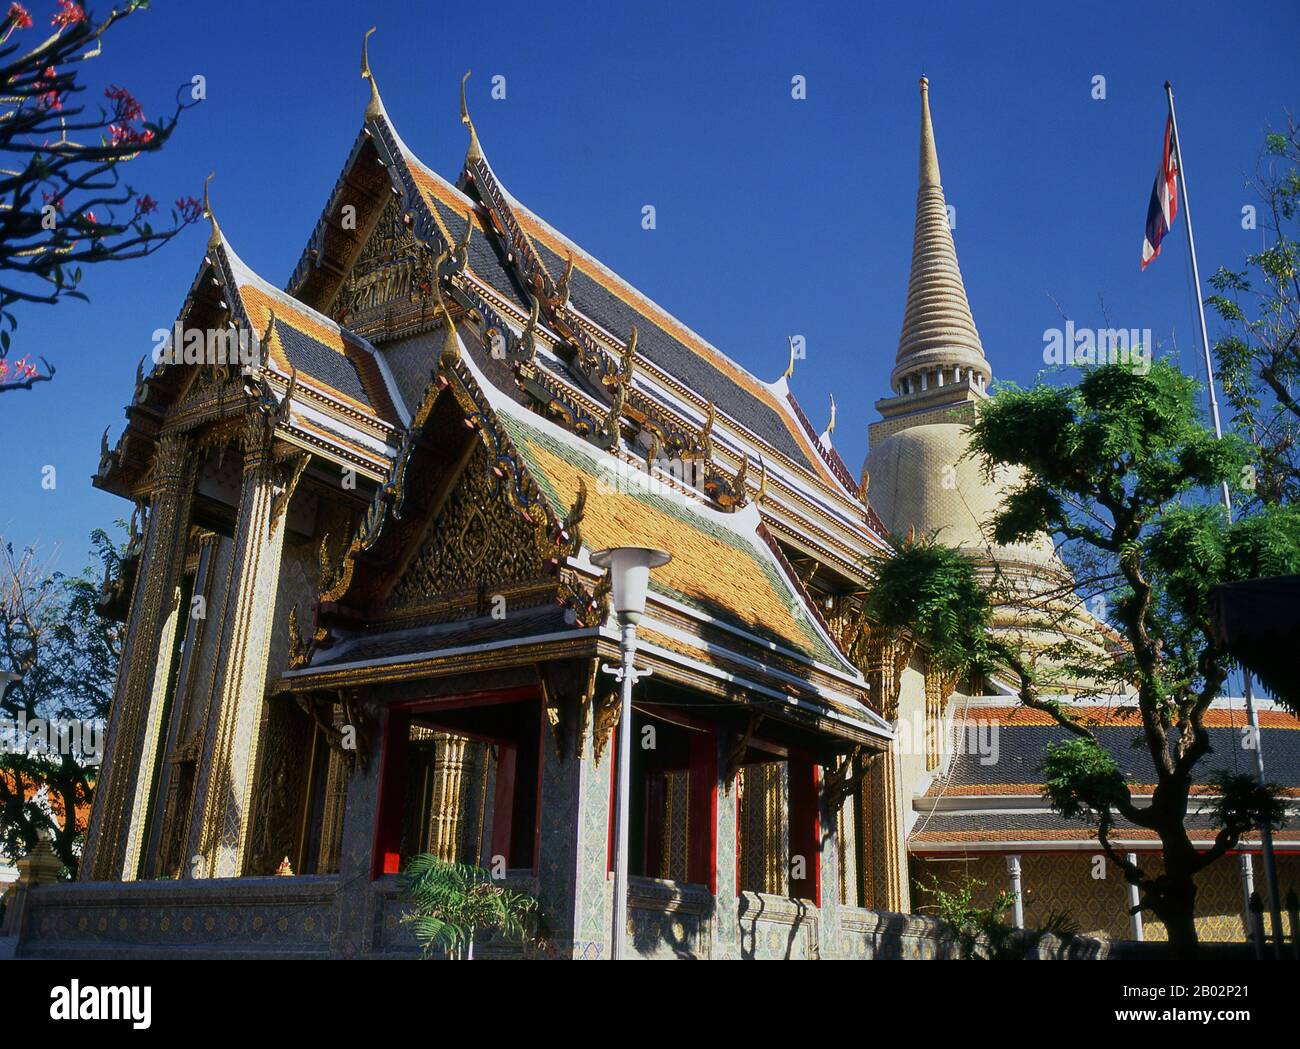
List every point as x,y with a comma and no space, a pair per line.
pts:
215,238
283,413
264,343
450,346
528,339
562,289
830,426
374,107
789,368
864,484
742,475
628,362
462,246
475,151
706,435
572,524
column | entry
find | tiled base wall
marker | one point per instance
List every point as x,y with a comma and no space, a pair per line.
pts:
298,918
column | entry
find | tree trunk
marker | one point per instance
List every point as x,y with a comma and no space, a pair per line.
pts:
1174,902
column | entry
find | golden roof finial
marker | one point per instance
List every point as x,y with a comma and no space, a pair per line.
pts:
215,237
374,107
762,482
830,426
475,151
789,368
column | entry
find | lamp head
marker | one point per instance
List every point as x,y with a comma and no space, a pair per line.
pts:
629,574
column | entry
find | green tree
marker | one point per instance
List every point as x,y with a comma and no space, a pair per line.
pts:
1258,350
450,902
60,661
1120,467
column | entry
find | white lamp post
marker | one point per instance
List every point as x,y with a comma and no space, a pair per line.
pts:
629,573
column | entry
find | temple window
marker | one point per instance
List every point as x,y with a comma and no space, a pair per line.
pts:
674,794
778,839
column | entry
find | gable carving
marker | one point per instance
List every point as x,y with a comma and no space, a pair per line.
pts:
393,271
476,541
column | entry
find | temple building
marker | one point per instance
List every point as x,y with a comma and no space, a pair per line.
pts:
364,621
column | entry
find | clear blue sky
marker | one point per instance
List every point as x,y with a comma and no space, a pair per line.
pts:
775,216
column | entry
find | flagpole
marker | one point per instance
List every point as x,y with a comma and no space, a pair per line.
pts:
1270,862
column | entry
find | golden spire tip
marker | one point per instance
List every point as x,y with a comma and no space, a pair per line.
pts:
215,237
789,368
374,106
475,150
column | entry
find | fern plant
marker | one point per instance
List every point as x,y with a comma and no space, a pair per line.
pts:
450,902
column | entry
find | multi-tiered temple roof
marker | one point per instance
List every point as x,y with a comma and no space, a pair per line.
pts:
606,422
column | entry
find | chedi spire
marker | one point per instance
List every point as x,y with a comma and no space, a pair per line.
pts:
939,344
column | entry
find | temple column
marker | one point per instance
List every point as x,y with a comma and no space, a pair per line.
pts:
726,900
121,798
225,796
884,852
575,885
1017,892
445,809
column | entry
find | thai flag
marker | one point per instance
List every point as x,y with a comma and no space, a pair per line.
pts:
1163,208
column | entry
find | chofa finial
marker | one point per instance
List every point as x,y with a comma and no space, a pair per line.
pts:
374,106
475,151
215,238
789,368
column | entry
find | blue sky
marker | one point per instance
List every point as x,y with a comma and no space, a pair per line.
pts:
775,216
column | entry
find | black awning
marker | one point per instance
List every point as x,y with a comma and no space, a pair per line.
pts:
1259,622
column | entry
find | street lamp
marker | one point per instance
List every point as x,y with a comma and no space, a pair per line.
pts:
629,574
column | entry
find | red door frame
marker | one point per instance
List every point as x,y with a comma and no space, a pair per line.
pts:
386,842
805,826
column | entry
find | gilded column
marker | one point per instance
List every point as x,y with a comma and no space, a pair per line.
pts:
883,847
336,796
226,798
445,810
113,841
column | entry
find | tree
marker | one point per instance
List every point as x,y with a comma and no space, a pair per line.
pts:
62,200
450,902
1119,466
1258,352
60,658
